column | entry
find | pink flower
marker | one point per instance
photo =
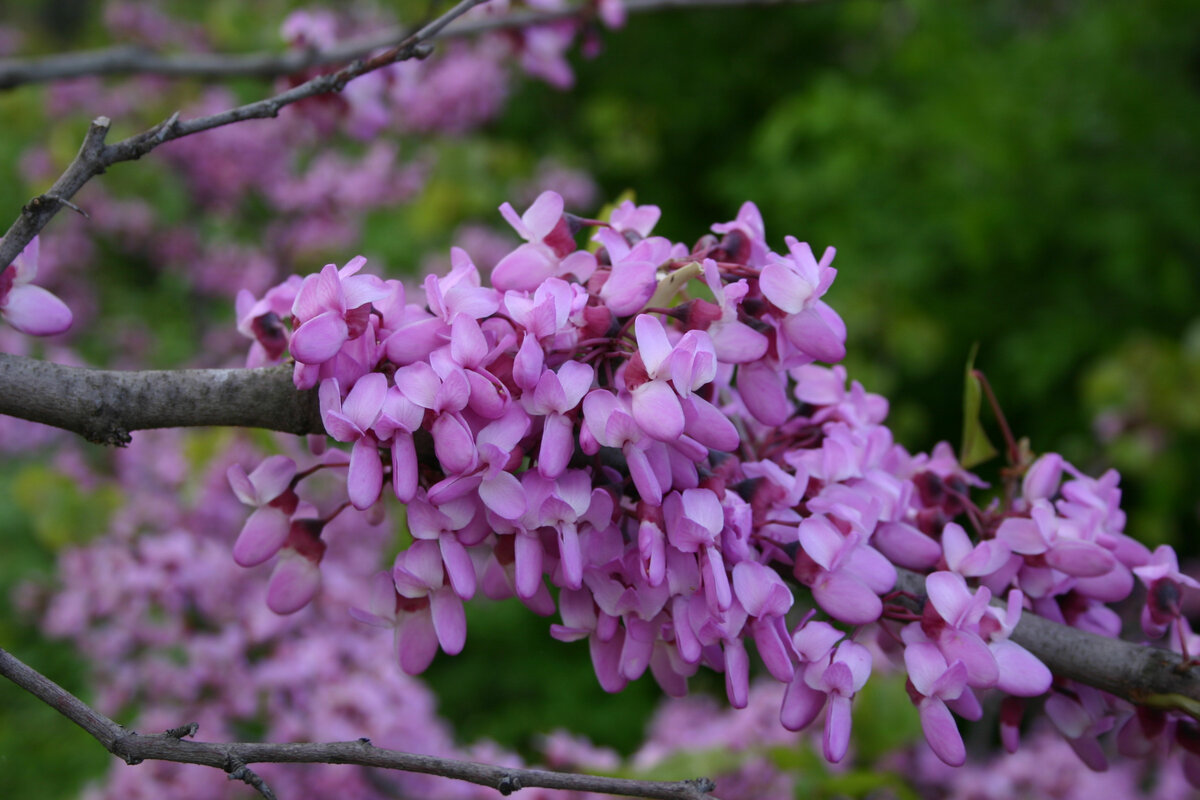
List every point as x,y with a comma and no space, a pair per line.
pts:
332,307
28,308
268,488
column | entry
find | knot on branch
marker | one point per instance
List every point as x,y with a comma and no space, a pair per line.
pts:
508,784
180,732
124,749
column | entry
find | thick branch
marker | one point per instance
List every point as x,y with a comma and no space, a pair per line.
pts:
129,60
1140,674
104,406
233,757
95,156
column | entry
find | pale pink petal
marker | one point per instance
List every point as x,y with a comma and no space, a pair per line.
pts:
1079,558
941,732
541,217
657,411
365,478
763,393
404,467
653,344
801,704
459,567
1022,674
1022,536
503,494
293,584
417,642
261,537
837,728
319,339
737,673
528,557
705,423
784,287
239,481
34,311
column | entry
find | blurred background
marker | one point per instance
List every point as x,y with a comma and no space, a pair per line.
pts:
1022,175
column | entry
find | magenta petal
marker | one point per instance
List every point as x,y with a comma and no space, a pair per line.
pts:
737,343
629,287
404,468
657,411
906,546
1022,536
801,704
770,638
763,393
837,728
263,534
1021,673
812,332
528,557
449,620
784,287
272,477
318,294
35,311
503,494
453,444
459,567
541,217
365,478
240,482
643,475
570,555
705,423
847,599
524,269
558,444
964,646
293,584
416,641
363,404
941,732
1079,558
606,660
319,339
737,673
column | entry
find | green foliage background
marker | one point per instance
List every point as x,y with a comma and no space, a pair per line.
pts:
1018,174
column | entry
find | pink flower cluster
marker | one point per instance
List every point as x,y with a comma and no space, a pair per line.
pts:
643,428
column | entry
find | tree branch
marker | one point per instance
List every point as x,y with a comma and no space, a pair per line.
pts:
233,758
132,60
104,406
1142,675
95,156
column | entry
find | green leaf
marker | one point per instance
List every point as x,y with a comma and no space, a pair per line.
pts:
975,445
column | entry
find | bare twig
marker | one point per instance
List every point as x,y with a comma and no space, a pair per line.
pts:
95,156
104,406
130,60
233,758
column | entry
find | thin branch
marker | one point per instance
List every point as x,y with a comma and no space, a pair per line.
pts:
104,406
1143,675
233,758
132,60
95,156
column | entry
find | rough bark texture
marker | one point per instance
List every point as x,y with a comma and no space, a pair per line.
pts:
105,406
